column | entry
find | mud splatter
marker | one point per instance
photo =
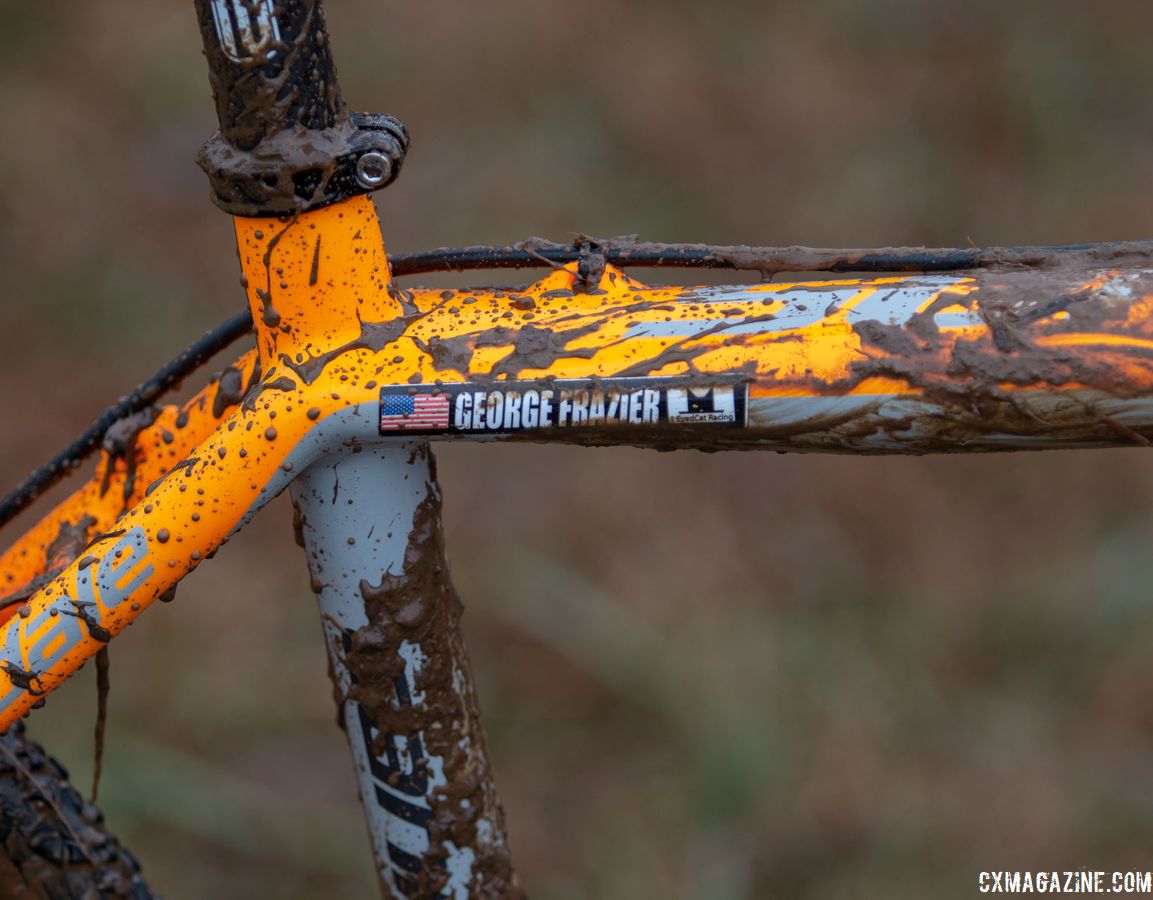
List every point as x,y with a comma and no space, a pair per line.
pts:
419,606
229,391
374,337
70,541
120,443
283,383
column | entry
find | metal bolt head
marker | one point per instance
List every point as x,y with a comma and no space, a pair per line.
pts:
373,169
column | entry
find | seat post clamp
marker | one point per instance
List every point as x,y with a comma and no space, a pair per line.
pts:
299,169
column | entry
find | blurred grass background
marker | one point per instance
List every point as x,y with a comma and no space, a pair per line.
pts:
719,676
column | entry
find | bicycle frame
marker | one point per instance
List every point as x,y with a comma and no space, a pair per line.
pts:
356,376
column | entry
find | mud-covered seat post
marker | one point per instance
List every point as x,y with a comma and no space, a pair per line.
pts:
287,142
271,68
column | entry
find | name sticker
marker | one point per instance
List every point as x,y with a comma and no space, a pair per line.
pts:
503,407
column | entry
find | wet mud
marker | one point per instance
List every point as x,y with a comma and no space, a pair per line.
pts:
230,391
374,337
419,606
290,82
1045,337
120,444
71,540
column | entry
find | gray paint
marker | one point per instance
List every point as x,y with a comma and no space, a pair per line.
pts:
358,511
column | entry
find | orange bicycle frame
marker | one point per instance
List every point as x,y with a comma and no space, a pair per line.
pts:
351,367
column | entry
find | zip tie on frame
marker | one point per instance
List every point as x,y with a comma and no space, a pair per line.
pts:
538,253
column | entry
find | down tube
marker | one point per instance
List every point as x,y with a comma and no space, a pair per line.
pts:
370,523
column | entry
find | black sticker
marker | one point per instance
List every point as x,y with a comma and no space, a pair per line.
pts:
507,406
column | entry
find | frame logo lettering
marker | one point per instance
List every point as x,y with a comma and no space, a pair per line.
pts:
56,631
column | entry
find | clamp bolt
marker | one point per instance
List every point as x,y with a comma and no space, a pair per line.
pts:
373,169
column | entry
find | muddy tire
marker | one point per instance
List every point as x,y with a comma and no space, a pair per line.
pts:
53,843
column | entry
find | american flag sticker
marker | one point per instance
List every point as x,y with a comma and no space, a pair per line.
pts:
414,412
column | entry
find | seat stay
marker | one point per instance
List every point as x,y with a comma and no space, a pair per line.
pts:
138,451
181,520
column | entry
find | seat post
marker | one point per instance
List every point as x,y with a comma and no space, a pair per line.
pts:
271,68
287,143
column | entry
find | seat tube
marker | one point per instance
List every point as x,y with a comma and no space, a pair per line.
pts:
370,523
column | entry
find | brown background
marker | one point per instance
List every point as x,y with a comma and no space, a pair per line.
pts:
705,675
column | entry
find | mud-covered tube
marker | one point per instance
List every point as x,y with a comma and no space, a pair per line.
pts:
1005,357
270,66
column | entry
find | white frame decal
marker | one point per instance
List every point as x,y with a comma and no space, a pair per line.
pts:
246,30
